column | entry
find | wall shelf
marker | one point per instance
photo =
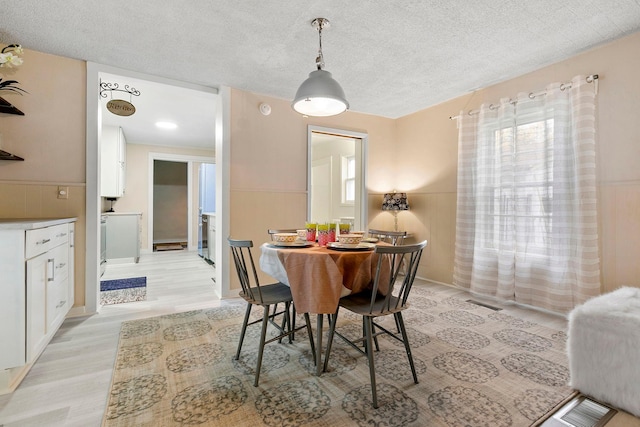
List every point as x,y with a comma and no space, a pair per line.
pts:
7,108
8,156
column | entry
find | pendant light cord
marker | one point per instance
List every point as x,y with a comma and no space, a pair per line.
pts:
320,58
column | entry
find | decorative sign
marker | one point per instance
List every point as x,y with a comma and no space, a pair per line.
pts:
120,107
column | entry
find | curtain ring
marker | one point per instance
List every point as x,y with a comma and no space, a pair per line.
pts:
563,87
491,107
531,95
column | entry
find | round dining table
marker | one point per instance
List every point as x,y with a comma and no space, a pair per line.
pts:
319,276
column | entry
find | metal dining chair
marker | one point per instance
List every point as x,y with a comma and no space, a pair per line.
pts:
265,296
372,304
393,237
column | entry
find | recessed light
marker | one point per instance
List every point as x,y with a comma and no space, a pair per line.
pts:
166,125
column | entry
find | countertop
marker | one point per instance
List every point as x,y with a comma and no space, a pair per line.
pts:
121,213
32,223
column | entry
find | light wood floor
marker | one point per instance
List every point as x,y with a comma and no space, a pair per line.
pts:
69,384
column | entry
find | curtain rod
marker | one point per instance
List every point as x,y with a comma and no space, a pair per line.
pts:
590,79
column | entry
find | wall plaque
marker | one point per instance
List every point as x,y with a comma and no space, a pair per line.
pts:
121,107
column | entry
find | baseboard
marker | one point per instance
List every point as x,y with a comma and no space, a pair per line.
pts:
80,311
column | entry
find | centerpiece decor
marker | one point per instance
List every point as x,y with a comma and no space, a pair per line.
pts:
9,58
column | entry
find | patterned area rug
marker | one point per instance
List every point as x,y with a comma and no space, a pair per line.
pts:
476,366
118,291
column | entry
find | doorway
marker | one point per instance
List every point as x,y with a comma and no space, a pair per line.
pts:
170,205
336,182
94,205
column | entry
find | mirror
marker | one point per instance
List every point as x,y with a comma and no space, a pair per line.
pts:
336,178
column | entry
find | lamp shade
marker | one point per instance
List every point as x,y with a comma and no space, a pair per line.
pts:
320,95
395,202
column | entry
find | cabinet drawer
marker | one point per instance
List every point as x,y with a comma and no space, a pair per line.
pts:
59,235
57,303
40,240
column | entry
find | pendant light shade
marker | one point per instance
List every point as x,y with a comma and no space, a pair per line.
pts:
320,95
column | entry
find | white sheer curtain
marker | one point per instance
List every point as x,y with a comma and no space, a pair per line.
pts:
526,226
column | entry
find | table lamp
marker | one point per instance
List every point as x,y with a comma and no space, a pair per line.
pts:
395,202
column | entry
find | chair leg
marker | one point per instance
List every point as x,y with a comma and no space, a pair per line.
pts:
244,329
289,323
372,370
293,322
373,331
407,348
375,337
310,333
263,334
333,319
284,318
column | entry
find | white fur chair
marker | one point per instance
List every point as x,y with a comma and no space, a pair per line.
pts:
604,348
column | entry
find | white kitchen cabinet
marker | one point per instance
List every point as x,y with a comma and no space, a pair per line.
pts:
36,290
123,236
113,152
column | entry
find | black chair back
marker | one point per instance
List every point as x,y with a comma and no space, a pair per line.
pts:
246,269
405,258
394,237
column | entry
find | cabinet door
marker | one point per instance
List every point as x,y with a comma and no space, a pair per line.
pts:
71,283
112,161
12,299
122,162
57,289
123,236
37,272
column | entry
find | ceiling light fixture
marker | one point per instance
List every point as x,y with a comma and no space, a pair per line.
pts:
320,95
166,125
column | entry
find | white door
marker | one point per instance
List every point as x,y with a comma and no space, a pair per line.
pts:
321,190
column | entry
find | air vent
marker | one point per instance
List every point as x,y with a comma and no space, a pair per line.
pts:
581,412
586,414
484,305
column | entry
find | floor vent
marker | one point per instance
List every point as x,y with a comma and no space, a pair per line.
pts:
581,412
484,305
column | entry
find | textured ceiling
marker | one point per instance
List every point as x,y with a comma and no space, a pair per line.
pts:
392,58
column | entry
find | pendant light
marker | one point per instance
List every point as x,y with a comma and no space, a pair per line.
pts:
320,95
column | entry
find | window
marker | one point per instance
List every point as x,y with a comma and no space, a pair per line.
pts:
526,217
348,180
519,186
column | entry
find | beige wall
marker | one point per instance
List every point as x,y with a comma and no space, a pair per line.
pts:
51,139
269,163
416,154
427,145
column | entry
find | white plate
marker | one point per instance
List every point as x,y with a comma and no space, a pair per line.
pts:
346,247
294,244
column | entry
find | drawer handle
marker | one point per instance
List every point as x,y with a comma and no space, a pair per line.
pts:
61,235
62,303
62,264
43,241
